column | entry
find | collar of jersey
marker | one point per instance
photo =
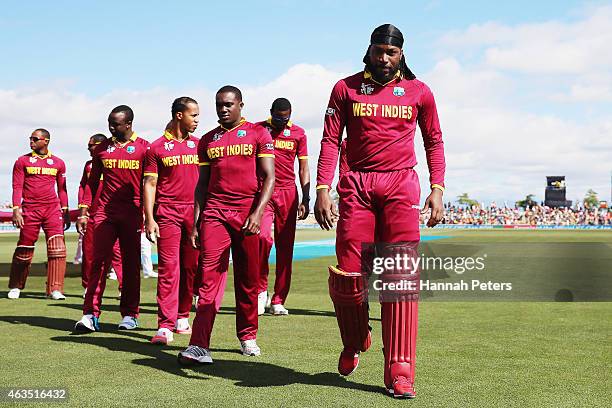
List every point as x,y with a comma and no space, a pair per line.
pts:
131,139
368,75
287,126
46,156
170,136
242,121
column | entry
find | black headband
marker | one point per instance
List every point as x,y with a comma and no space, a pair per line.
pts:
386,39
387,34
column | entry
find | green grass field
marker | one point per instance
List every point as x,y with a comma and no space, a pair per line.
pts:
470,353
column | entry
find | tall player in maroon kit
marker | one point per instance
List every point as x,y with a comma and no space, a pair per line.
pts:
233,199
283,208
119,215
87,238
36,204
170,176
380,108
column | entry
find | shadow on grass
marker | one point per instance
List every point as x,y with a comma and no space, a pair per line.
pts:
251,373
246,373
67,326
105,308
26,295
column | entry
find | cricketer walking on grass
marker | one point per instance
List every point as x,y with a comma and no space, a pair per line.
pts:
380,108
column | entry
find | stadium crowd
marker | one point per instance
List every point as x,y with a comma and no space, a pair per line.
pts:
535,215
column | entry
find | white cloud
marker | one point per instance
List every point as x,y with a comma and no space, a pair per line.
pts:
542,48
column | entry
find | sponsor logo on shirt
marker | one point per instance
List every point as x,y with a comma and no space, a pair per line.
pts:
241,133
217,136
330,111
130,149
399,91
110,149
168,146
49,161
269,146
367,89
33,159
191,144
287,132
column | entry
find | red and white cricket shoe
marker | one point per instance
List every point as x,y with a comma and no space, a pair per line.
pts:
349,359
182,326
402,387
348,362
162,337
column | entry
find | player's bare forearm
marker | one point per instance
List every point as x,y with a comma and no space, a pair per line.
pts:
199,200
253,222
305,179
149,191
304,207
200,193
267,166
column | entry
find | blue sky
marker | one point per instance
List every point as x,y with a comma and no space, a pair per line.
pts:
100,46
524,88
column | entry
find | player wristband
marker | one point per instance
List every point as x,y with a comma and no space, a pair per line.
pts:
322,186
439,187
15,207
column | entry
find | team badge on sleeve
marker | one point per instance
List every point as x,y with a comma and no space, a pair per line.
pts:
330,111
269,146
191,144
130,149
241,133
286,132
399,91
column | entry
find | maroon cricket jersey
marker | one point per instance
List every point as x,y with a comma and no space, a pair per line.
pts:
380,121
84,178
175,164
121,166
289,143
232,156
35,178
83,183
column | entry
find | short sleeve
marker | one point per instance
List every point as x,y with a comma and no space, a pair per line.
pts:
265,145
